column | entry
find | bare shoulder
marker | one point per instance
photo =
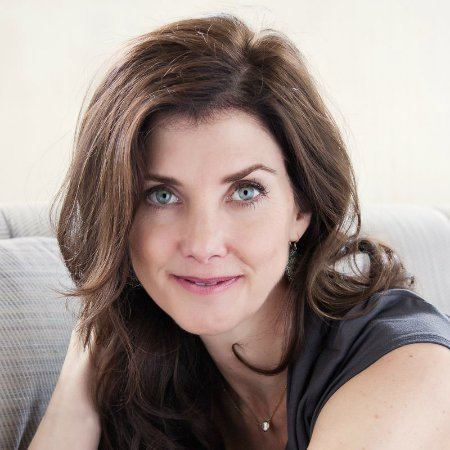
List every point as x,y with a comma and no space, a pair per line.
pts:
402,401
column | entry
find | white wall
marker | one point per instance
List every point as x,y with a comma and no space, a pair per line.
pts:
381,65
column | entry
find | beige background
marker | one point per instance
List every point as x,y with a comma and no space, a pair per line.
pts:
382,67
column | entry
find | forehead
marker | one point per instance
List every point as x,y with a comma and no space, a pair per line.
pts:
229,139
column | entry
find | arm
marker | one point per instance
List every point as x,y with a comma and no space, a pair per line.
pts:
400,402
70,421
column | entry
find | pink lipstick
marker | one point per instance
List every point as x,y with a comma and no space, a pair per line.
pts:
220,286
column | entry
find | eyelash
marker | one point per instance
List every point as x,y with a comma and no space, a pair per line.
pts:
244,204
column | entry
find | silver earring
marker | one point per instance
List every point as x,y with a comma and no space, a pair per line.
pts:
292,260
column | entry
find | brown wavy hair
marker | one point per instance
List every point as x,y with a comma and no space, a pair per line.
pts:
155,384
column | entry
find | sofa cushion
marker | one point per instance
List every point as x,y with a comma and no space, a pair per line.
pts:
35,328
420,235
26,219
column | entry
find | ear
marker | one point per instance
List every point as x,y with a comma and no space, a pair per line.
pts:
300,223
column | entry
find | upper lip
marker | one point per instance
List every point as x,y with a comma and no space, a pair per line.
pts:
207,280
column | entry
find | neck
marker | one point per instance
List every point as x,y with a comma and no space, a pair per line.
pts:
261,344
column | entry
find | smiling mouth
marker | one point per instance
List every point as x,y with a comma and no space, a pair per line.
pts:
207,281
199,283
200,288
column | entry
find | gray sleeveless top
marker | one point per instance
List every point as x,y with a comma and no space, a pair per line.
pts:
336,351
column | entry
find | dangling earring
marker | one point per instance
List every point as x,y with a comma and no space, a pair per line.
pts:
292,260
134,282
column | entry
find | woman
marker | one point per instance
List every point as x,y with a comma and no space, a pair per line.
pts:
209,218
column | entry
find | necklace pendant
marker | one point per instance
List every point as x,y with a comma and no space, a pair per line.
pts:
265,425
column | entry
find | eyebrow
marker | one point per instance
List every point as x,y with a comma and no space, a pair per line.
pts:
228,179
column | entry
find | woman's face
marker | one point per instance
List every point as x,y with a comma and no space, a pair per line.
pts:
205,226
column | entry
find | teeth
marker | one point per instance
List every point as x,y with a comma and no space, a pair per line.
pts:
205,284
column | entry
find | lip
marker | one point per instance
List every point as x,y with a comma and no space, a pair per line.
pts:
207,290
207,280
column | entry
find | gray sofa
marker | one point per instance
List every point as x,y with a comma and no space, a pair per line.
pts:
36,322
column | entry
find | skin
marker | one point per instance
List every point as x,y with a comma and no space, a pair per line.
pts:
203,229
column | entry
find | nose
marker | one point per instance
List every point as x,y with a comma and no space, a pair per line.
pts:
202,236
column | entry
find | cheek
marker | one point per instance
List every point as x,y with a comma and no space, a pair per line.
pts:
148,256
149,261
266,239
272,260
265,254
147,249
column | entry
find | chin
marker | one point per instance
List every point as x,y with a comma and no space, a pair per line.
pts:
202,329
202,325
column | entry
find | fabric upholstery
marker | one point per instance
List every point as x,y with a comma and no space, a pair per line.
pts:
421,237
35,327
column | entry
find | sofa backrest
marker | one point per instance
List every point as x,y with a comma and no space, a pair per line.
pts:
420,235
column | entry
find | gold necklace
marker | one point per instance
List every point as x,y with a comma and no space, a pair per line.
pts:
265,424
